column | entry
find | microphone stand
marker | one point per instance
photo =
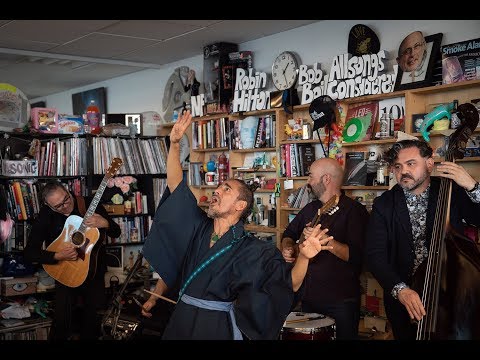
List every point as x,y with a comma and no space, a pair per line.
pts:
116,307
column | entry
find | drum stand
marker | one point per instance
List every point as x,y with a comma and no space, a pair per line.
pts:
112,315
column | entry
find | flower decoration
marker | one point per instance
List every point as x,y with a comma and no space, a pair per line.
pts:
127,184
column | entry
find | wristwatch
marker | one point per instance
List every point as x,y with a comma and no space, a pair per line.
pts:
396,289
475,187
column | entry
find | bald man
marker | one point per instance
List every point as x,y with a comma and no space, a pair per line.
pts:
412,57
330,283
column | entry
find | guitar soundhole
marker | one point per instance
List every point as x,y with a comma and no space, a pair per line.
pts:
78,238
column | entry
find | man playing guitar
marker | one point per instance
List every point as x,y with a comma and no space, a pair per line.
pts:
58,205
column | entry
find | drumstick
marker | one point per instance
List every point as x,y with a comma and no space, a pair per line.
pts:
160,296
304,319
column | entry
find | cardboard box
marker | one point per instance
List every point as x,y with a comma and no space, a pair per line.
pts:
113,209
18,286
45,120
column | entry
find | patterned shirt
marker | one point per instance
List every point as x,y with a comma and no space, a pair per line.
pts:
417,208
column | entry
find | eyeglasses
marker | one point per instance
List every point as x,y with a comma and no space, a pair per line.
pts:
408,51
58,207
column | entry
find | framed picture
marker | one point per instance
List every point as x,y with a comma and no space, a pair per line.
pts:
416,60
417,120
82,99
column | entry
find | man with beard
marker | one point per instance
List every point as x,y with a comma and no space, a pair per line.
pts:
233,286
401,225
331,284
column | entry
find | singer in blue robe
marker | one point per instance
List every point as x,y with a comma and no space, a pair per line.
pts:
252,273
232,285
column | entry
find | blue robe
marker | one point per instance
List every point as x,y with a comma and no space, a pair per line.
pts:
252,274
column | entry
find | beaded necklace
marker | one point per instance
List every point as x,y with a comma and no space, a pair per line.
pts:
207,262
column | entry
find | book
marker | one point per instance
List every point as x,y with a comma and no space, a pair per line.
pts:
461,61
362,111
355,168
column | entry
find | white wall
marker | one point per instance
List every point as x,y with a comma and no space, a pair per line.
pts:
318,42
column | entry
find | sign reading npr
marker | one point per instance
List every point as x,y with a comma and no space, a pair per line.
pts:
19,168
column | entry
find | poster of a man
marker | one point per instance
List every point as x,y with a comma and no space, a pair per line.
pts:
413,56
417,56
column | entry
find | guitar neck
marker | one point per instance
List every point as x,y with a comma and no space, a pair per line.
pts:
315,221
95,202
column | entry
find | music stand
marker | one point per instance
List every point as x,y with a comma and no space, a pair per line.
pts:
116,307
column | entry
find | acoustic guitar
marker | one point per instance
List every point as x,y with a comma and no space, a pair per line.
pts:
73,273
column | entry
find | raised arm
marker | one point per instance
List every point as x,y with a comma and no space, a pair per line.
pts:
174,167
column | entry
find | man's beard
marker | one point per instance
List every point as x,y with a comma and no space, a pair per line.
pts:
318,190
415,184
213,214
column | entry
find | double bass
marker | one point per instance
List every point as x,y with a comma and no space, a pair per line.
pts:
449,280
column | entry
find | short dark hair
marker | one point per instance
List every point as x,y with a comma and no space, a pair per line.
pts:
246,194
49,187
391,155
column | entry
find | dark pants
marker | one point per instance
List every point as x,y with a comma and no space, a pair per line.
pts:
346,314
89,298
397,315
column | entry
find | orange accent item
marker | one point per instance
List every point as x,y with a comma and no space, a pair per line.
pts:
93,117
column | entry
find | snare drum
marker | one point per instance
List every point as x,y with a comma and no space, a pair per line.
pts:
308,326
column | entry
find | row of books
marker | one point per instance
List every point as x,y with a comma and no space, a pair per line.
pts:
251,132
295,159
134,229
140,156
61,157
23,197
209,134
18,238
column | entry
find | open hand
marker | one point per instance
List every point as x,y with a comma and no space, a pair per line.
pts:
180,126
316,242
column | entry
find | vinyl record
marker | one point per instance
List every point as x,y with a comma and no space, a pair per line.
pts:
362,40
354,130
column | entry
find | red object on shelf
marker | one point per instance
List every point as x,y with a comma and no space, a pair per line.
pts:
93,117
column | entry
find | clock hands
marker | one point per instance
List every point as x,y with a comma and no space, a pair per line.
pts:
285,76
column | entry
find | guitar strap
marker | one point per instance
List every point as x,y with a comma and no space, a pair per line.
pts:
81,205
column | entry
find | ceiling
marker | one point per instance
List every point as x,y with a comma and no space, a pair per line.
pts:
44,57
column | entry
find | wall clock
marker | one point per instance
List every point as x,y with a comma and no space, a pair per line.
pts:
285,70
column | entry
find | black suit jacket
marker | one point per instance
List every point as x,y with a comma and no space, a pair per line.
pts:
389,246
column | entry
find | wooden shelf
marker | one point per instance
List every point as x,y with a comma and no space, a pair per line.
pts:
446,132
255,170
295,178
283,208
253,150
446,87
211,117
211,149
465,159
360,187
370,142
301,141
260,228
